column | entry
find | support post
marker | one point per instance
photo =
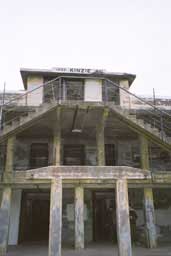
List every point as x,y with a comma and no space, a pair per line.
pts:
57,139
79,217
6,198
100,139
55,227
4,219
149,211
123,221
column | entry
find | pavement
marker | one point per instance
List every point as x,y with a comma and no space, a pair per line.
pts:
90,250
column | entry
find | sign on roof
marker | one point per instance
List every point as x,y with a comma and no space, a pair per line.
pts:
78,70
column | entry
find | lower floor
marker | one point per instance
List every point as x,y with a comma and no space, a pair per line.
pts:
85,213
30,216
91,250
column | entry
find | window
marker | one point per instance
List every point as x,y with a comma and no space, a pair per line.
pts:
39,155
74,89
110,155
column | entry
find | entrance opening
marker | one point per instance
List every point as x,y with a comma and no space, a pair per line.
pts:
34,221
162,205
104,216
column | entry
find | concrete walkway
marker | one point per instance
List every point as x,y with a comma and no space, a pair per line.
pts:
92,250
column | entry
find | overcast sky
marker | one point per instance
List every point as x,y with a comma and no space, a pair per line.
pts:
121,36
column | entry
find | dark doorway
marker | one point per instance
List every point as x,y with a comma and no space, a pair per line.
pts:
104,216
110,154
74,155
34,220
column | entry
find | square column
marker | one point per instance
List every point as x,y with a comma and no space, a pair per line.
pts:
100,139
123,221
149,211
4,219
6,197
79,217
57,139
55,226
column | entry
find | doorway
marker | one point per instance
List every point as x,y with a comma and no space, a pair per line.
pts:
104,216
34,220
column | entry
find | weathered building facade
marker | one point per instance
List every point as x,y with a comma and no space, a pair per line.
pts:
75,146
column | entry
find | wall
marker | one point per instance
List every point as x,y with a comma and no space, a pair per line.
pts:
68,224
128,153
34,98
22,152
93,90
125,100
15,217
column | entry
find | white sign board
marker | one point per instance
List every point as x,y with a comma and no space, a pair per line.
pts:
78,70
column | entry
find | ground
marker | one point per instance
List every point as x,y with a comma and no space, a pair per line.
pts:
92,250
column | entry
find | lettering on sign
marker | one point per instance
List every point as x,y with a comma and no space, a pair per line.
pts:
78,70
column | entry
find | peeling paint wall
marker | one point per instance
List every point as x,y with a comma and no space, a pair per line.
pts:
68,224
125,100
93,90
15,217
34,98
128,153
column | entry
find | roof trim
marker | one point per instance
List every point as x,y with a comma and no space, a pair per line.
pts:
25,72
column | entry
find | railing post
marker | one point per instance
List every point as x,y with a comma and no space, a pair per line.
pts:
161,126
53,92
64,90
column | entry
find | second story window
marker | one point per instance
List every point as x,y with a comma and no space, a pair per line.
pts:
73,89
38,155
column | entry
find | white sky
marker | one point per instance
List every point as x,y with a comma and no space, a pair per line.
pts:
121,36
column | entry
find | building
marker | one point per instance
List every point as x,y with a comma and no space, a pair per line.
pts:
75,146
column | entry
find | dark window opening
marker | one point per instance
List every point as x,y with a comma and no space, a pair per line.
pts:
110,92
74,155
39,155
51,90
74,89
110,155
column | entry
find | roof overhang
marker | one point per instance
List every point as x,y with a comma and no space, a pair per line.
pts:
55,72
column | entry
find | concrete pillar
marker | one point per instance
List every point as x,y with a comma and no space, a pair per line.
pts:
57,139
4,219
55,227
6,197
100,139
123,221
149,211
79,217
10,155
15,217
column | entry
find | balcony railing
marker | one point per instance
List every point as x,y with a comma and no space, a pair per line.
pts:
60,90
